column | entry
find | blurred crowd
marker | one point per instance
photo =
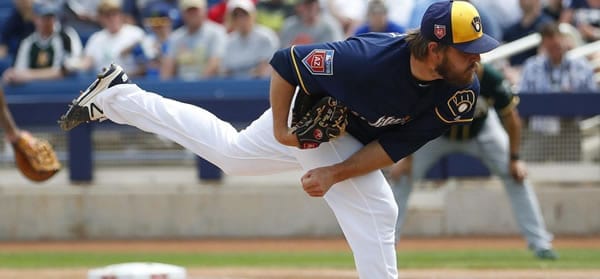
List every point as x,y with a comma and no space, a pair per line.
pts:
200,39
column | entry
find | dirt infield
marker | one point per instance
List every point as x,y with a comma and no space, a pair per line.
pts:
298,245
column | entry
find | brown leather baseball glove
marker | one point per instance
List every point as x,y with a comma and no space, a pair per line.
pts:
325,121
35,157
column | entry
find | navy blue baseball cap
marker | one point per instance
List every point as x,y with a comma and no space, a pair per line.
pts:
456,24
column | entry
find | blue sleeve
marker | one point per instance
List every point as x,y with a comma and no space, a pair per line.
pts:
282,64
330,68
456,108
362,29
393,27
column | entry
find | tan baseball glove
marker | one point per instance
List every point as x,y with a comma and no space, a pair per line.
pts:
35,157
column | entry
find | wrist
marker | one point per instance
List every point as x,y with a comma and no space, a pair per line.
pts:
514,157
13,136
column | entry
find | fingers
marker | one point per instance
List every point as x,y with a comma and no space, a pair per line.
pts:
518,171
311,185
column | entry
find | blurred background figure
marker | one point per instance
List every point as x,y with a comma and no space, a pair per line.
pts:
349,13
249,46
400,11
497,147
505,12
18,26
585,15
159,18
272,13
554,9
217,12
42,54
83,16
310,25
531,21
377,19
195,50
114,43
135,11
551,71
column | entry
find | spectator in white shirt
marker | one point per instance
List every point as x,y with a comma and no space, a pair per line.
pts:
42,55
112,44
249,46
195,50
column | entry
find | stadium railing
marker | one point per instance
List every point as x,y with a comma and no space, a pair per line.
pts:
40,104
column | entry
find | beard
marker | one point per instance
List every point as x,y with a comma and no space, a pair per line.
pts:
454,77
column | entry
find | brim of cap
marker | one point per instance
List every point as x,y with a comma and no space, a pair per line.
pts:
484,44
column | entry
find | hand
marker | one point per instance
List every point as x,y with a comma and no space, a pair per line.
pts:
518,170
8,76
14,76
400,168
316,182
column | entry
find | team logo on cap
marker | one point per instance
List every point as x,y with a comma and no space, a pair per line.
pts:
476,23
319,62
439,31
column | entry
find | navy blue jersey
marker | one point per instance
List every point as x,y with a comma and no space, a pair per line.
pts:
370,74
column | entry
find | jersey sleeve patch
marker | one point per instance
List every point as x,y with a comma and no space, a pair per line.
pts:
319,62
458,107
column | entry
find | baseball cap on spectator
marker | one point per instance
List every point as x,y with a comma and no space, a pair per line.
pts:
106,6
159,13
457,24
45,8
187,4
245,5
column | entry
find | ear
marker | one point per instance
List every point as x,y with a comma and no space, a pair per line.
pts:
433,49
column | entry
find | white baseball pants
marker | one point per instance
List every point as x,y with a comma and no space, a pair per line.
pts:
364,206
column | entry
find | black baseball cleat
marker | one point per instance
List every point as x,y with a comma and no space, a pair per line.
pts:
83,109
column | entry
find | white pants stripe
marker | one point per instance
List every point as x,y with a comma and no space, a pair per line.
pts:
364,206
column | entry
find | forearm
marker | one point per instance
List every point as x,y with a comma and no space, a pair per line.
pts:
42,74
6,120
512,124
281,94
212,68
167,70
370,158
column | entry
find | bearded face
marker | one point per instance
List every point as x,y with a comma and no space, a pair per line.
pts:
457,68
457,71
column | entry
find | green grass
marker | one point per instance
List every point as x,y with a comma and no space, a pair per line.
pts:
461,259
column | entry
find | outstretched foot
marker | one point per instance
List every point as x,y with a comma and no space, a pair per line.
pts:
83,108
546,254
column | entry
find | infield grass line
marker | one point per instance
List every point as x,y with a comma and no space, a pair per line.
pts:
448,259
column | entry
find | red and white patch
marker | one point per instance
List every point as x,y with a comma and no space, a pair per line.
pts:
439,31
318,134
319,62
